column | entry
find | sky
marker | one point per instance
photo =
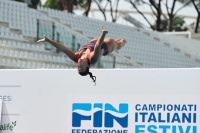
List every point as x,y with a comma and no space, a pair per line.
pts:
123,5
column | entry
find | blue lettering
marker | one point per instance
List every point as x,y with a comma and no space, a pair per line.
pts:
138,130
181,129
194,117
152,117
77,118
84,131
173,129
136,117
125,131
143,116
109,119
177,107
144,108
97,117
119,131
152,128
160,117
194,129
152,107
190,107
164,128
184,108
169,107
89,131
159,106
176,118
137,107
168,117
73,130
142,129
113,131
186,118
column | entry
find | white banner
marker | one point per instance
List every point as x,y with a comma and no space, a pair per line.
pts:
123,101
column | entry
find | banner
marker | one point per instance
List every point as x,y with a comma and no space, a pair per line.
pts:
123,101
133,114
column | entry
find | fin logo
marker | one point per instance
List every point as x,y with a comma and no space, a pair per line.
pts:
87,111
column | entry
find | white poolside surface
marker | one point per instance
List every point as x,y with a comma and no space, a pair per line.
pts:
40,100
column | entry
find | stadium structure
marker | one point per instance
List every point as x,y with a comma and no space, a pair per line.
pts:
21,27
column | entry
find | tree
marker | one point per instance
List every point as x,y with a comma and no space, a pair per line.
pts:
85,4
88,5
155,7
197,7
172,13
177,24
54,4
114,18
112,5
34,2
68,5
101,9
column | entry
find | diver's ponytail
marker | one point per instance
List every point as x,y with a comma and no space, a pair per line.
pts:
92,77
88,72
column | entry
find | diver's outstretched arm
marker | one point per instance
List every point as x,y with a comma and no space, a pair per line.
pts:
73,56
97,49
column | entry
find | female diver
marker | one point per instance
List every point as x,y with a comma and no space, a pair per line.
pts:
89,53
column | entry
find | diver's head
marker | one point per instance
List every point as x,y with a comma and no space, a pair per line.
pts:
83,67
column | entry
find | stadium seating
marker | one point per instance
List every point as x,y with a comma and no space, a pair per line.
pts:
18,33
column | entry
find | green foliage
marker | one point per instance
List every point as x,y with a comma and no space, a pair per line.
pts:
19,0
54,4
80,3
177,24
163,25
34,2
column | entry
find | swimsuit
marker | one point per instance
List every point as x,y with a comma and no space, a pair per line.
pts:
91,45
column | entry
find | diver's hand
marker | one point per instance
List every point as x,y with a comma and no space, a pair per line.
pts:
103,30
43,40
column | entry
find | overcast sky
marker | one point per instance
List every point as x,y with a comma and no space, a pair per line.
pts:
188,11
